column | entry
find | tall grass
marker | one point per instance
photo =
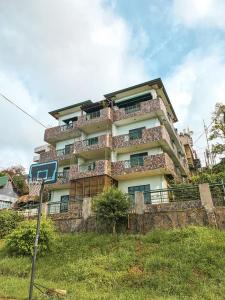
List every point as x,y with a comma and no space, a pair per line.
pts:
177,264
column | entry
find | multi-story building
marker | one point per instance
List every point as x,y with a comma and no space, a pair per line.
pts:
126,139
193,161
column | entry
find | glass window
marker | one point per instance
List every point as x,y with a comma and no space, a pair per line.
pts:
135,134
140,188
64,205
92,141
137,159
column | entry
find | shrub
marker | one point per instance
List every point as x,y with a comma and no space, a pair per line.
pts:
111,207
21,240
8,221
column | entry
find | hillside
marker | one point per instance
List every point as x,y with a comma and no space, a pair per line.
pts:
176,264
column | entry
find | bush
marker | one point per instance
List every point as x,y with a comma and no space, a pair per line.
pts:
8,221
111,207
21,240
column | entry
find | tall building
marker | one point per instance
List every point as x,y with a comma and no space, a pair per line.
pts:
127,139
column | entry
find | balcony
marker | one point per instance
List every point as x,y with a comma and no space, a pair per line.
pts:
60,133
142,166
62,155
62,182
145,110
146,138
93,147
95,121
100,167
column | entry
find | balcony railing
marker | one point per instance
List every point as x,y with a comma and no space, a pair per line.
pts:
65,151
93,115
144,136
59,133
67,126
103,116
144,164
132,108
63,177
100,167
95,143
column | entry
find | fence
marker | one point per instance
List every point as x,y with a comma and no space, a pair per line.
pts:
170,195
218,193
71,206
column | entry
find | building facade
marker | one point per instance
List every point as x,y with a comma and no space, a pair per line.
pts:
127,139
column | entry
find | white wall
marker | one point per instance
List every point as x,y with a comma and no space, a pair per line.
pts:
150,123
56,195
65,117
126,156
96,134
62,144
156,182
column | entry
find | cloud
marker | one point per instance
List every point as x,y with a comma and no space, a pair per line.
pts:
205,13
54,53
195,86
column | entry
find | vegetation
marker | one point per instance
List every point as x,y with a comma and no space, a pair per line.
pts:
8,221
17,174
177,264
21,240
111,207
218,129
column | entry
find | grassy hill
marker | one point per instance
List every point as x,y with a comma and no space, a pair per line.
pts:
176,264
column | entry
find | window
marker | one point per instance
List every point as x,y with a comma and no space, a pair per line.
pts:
64,203
135,134
68,149
92,141
137,159
140,188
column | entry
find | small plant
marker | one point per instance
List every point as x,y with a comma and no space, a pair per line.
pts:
111,207
21,240
8,221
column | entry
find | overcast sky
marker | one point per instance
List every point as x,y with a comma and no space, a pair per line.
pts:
58,52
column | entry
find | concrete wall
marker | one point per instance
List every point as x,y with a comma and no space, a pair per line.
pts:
126,156
150,123
62,144
156,182
56,195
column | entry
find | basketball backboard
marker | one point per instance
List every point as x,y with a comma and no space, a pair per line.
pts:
46,171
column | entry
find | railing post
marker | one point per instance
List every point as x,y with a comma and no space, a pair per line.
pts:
207,203
139,203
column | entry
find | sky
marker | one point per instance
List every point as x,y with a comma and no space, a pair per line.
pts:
55,53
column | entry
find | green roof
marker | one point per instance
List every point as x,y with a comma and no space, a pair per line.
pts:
3,181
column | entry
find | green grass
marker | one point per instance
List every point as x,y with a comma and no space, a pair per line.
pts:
176,264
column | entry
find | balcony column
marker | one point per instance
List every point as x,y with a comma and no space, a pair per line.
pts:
80,161
114,130
113,156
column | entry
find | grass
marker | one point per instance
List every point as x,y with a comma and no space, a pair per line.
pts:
177,264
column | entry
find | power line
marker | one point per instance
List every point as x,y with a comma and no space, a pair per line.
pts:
21,109
203,132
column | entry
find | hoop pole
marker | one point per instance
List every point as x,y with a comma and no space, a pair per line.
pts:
36,241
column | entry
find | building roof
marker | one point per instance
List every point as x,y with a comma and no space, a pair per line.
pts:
3,181
157,81
55,113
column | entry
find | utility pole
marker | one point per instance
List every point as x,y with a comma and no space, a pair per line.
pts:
36,242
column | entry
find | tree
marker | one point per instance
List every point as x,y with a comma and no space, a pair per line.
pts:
18,177
111,207
217,132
